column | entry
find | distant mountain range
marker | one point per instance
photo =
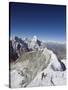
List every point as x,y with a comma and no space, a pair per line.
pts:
18,46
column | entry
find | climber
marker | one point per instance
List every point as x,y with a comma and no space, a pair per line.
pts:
43,76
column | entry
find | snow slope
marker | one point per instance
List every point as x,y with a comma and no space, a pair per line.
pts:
51,78
37,68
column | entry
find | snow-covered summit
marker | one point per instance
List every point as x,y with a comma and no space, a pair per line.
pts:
35,43
34,38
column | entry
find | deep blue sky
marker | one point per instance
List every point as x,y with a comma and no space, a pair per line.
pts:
47,22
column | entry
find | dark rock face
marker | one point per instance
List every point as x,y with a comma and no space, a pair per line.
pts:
21,44
62,65
39,42
16,48
12,54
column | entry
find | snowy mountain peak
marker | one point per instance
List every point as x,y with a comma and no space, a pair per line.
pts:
34,38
